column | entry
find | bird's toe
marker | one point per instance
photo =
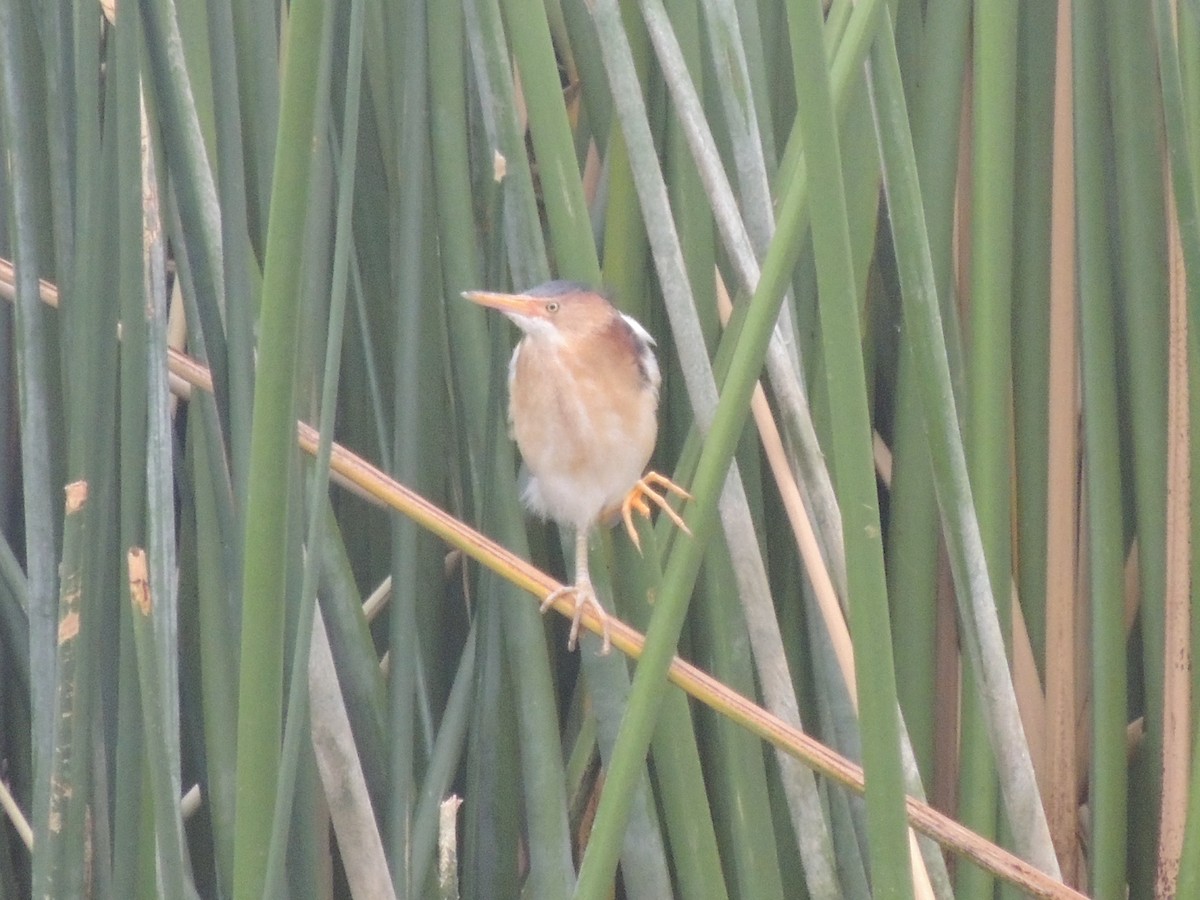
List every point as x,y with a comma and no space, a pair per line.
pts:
550,599
584,597
645,492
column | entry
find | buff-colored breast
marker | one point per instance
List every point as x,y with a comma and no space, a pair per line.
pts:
584,415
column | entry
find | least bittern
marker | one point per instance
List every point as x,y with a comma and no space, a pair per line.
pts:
583,407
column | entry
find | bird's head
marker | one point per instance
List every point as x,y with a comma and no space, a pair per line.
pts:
557,309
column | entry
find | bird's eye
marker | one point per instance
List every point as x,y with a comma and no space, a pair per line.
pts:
552,306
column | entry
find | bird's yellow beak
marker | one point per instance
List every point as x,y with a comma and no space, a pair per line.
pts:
511,304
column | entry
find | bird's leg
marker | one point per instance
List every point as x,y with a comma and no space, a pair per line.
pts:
642,494
585,595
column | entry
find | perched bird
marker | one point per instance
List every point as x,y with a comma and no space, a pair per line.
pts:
583,408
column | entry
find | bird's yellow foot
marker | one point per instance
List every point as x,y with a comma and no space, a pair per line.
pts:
585,596
645,492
